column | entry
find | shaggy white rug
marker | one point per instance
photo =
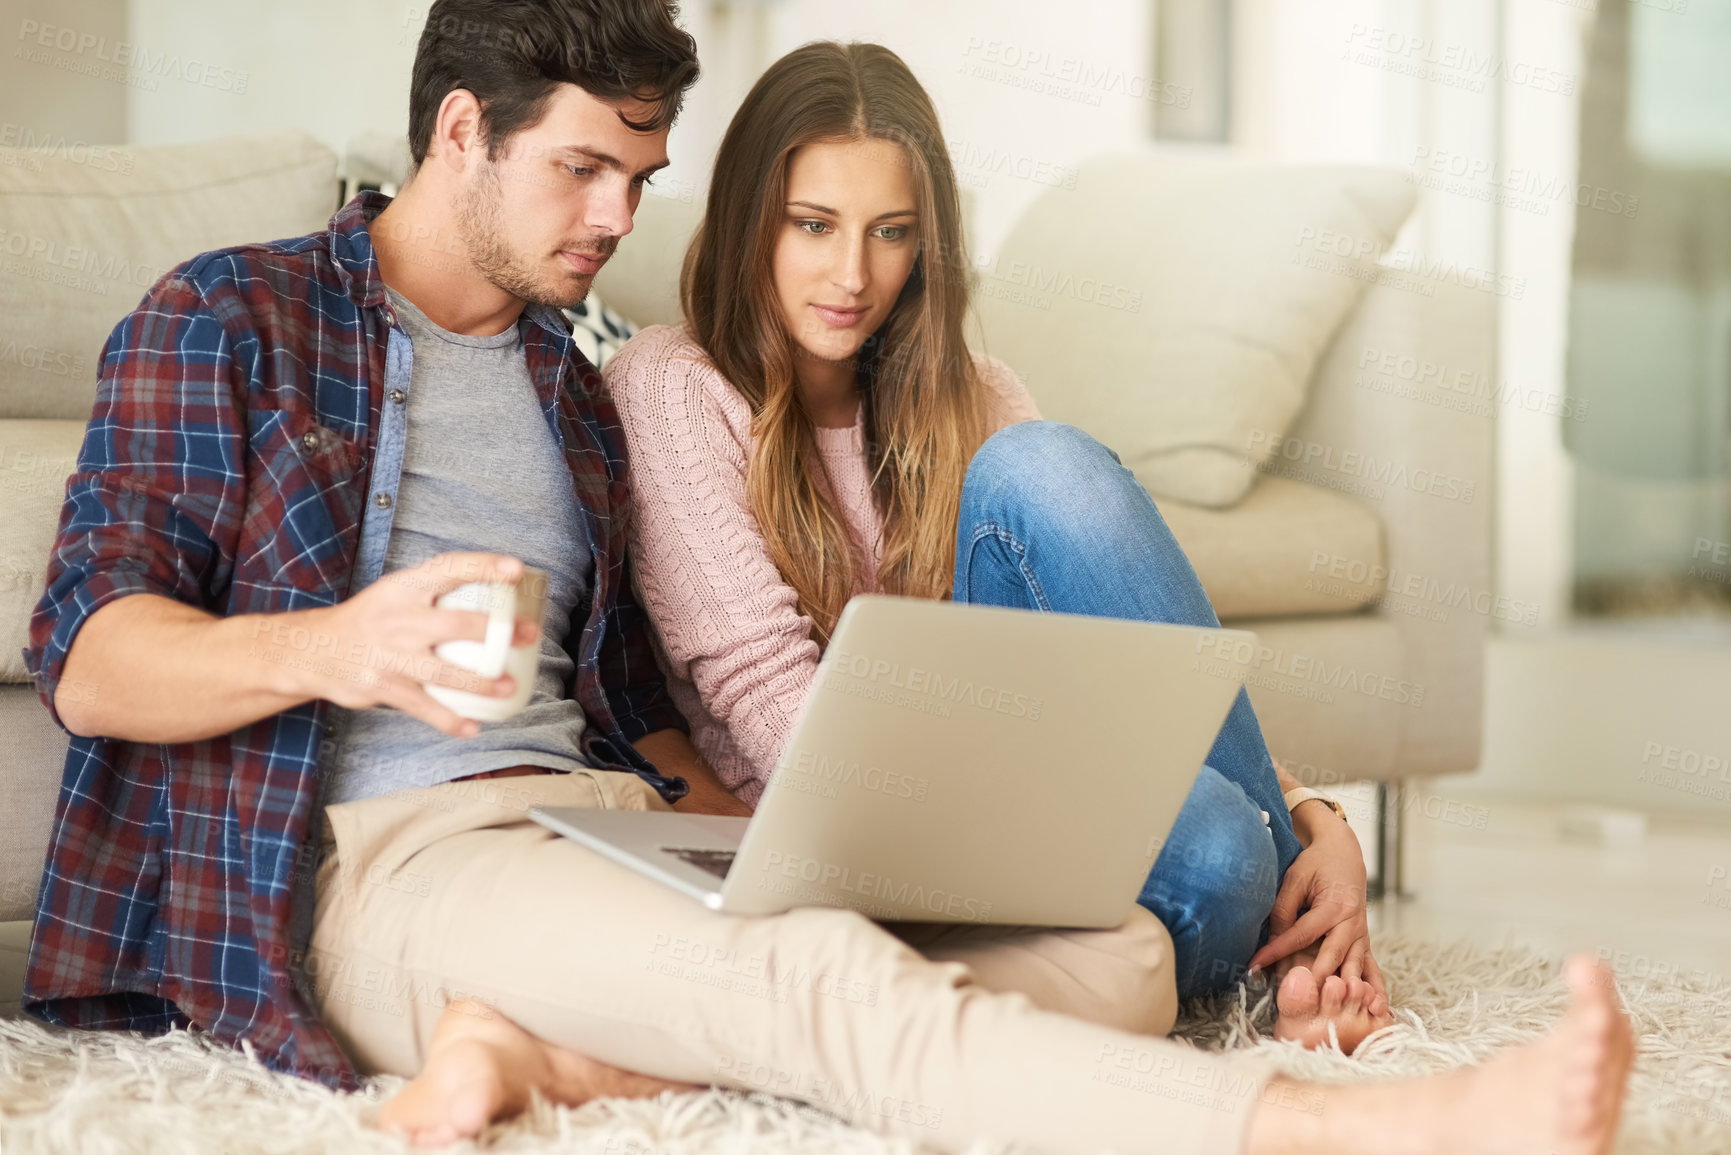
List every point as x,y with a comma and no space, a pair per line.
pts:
106,1092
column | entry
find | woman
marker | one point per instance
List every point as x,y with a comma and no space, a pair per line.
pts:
819,429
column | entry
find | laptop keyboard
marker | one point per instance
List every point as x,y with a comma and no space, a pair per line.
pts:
716,862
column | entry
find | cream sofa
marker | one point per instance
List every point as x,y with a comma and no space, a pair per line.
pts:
81,239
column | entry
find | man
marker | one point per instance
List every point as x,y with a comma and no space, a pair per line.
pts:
239,483
270,831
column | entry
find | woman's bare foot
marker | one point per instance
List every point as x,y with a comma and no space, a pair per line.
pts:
1562,1095
1308,1006
481,1066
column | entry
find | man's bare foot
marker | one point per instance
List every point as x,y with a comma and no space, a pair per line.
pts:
1309,1006
1561,1095
481,1066
1565,1090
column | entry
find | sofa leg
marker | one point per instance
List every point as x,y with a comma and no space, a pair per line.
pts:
1390,881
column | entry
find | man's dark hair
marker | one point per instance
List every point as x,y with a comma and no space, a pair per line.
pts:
513,54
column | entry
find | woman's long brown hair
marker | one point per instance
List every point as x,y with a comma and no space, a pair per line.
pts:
922,398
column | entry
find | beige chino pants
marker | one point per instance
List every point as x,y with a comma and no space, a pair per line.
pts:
943,1035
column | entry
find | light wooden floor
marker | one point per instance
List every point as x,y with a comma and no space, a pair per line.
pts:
1661,901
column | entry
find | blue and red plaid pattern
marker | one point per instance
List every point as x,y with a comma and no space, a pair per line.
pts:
166,896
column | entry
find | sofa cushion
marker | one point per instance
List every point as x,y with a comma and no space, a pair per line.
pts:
598,330
1335,695
1287,548
641,278
30,772
1175,309
35,459
81,242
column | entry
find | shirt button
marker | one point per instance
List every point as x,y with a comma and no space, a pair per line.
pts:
398,396
310,440
383,501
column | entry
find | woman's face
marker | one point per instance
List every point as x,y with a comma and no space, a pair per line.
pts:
847,243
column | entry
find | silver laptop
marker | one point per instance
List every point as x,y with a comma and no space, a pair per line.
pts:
959,763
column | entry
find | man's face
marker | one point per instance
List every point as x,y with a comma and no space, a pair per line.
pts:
541,219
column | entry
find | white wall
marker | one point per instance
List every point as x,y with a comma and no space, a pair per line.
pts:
341,68
1049,84
1534,547
332,67
44,104
1605,717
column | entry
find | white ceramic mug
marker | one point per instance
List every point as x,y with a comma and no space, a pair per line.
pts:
504,603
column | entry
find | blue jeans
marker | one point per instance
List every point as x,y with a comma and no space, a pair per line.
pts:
1051,520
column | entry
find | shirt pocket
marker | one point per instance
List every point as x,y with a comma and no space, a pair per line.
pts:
303,508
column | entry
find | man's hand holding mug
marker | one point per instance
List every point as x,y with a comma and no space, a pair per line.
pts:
452,640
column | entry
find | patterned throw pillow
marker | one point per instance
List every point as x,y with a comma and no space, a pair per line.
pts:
599,330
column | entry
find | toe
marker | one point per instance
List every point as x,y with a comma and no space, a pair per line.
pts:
1333,994
437,1136
472,1111
1299,994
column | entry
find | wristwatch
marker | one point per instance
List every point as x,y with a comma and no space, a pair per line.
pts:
1299,794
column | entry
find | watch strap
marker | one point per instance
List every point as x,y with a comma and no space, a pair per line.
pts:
1301,794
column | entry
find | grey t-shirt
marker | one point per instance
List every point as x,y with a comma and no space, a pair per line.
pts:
481,471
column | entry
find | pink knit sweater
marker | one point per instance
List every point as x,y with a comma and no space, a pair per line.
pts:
739,657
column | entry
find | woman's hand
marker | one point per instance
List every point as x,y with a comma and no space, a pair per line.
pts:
673,753
711,800
1323,898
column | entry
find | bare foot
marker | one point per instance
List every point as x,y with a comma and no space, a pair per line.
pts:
1309,1006
1562,1095
481,1066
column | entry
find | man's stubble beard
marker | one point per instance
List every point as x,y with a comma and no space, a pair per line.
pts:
481,220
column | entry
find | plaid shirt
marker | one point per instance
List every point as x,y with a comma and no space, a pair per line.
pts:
240,459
